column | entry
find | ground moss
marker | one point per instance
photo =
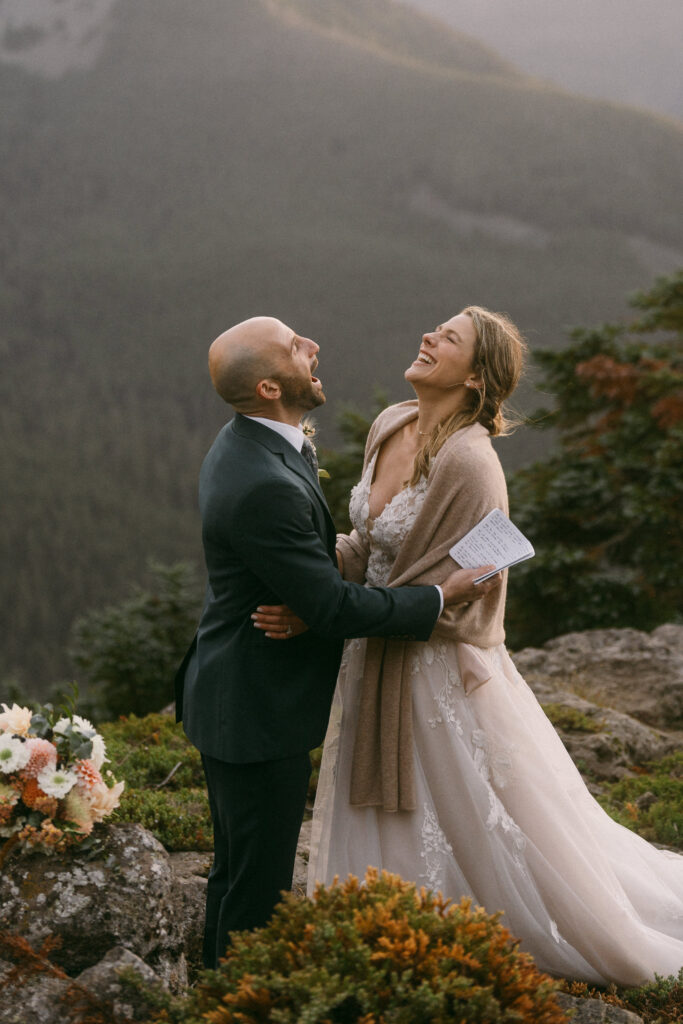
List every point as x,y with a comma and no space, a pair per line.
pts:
570,719
659,820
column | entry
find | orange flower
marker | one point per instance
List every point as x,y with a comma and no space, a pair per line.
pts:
34,797
88,775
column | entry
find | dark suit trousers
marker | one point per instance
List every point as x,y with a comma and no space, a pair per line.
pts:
257,811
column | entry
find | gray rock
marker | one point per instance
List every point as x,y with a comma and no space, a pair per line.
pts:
189,901
35,1003
640,674
618,743
301,864
105,981
123,896
594,1011
38,1003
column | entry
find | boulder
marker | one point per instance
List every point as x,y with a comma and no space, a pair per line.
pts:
105,981
46,1000
594,1011
37,1002
190,871
605,743
120,894
637,673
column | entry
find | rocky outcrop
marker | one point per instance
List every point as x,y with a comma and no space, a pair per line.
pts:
639,674
125,895
615,696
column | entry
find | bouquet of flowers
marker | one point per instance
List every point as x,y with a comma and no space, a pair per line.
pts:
52,791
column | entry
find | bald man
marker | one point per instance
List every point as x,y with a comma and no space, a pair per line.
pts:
253,706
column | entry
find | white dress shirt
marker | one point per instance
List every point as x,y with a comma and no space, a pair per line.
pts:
295,436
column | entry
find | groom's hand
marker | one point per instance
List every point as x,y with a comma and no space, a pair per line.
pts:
460,588
278,621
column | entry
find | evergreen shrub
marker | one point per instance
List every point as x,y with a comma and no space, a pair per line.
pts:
381,952
128,653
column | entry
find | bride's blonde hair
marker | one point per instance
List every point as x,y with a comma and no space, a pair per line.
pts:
498,359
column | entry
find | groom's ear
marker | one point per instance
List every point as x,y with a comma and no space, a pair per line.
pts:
268,389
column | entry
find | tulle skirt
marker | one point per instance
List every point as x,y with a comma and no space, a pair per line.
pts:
504,817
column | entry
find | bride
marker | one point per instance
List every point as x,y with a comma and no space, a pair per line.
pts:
439,763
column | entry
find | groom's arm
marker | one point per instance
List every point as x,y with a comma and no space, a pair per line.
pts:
274,530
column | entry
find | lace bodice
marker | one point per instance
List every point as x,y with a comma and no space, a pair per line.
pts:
384,534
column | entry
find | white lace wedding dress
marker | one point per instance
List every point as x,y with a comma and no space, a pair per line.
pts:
503,815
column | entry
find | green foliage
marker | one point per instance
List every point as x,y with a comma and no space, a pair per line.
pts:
570,719
660,1002
316,759
659,821
378,952
165,789
129,652
179,819
604,510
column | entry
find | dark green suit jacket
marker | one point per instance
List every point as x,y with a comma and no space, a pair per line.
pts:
269,539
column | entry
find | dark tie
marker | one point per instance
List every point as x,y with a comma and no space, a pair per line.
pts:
309,456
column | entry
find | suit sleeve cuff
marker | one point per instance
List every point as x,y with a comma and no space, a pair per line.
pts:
440,598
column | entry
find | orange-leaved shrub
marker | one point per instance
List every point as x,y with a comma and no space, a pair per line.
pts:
380,952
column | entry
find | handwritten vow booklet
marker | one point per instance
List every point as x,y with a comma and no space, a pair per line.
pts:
493,541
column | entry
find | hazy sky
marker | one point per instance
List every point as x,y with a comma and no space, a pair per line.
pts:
625,50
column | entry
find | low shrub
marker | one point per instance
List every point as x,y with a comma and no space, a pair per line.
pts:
660,820
661,1001
658,1002
374,953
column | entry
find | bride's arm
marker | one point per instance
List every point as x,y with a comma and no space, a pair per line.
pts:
352,556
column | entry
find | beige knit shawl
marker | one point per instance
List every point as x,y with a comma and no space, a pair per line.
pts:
465,482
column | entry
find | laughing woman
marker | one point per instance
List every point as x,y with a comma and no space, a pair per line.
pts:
439,763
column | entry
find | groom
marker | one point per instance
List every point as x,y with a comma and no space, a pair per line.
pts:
255,707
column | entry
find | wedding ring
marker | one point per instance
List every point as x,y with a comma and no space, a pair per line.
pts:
288,631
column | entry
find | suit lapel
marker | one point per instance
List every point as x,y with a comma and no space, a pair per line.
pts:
276,443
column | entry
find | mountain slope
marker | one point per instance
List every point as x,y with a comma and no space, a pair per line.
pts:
622,50
219,160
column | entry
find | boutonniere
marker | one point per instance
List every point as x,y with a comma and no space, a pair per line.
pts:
308,427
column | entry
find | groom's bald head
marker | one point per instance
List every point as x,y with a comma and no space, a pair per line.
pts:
246,354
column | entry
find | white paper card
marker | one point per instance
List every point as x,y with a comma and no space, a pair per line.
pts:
493,541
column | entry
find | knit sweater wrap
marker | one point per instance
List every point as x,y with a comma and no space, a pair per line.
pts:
465,482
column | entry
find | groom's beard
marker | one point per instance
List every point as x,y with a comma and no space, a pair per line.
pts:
300,394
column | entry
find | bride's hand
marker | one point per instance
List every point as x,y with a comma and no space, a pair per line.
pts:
278,621
459,587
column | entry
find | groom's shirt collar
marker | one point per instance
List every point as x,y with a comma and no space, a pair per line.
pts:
294,435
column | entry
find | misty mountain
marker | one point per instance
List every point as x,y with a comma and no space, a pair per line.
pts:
628,51
355,169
